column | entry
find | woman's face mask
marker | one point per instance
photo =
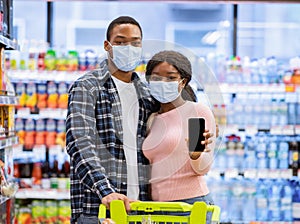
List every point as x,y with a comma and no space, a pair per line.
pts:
165,92
126,57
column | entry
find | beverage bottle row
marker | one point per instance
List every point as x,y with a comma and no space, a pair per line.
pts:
248,70
47,94
251,200
42,131
38,56
261,151
264,110
52,171
43,211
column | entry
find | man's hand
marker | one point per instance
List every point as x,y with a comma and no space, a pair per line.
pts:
116,196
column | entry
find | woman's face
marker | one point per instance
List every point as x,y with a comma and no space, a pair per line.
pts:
165,72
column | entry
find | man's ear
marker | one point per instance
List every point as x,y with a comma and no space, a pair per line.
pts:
106,45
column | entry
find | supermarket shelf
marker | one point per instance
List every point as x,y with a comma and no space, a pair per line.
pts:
54,113
254,173
250,88
40,76
9,100
8,141
56,194
254,129
9,44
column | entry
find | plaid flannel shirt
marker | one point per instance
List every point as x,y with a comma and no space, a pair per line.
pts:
95,140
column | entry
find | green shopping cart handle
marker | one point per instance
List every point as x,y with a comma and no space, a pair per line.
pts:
119,213
153,206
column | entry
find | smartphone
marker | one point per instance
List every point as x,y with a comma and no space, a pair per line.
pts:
196,128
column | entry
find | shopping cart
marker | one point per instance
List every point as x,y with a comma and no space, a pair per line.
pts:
154,212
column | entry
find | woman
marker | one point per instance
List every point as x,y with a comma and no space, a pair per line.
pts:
176,173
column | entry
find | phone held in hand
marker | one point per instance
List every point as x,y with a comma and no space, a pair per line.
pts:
196,128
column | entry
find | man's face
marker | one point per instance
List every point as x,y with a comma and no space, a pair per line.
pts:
124,34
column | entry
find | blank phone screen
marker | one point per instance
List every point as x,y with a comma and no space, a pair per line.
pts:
196,130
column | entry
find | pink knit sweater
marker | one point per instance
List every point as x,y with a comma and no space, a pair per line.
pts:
174,176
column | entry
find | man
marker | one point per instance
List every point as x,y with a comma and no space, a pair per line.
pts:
106,124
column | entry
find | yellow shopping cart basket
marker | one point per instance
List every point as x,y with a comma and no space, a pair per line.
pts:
153,212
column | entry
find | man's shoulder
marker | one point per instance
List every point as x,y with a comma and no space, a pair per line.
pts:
93,78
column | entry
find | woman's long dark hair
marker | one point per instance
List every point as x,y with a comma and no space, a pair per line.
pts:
181,63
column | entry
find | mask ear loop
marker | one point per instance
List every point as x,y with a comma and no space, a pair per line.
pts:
108,52
179,84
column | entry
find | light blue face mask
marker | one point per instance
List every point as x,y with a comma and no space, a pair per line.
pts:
164,92
126,58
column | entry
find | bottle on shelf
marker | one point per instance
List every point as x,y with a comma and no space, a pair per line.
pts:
274,200
24,55
33,55
40,137
272,69
36,174
283,154
272,153
286,201
262,69
46,172
29,138
296,201
50,60
261,201
42,49
249,206
42,95
293,157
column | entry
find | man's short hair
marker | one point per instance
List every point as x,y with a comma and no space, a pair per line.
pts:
121,20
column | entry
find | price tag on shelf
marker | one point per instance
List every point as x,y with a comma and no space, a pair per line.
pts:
274,174
3,100
250,173
276,130
223,86
9,142
297,129
17,149
252,88
55,149
286,173
214,173
231,173
288,130
263,173
251,130
23,112
53,113
242,88
2,143
231,129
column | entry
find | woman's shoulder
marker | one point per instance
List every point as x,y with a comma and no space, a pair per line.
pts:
198,105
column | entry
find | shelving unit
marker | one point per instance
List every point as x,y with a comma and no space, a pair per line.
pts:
226,89
52,191
8,138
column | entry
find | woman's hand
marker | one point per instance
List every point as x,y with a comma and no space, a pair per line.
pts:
206,142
